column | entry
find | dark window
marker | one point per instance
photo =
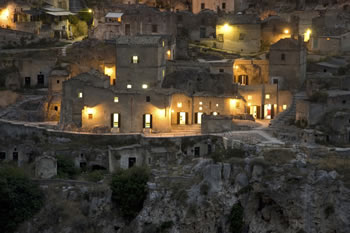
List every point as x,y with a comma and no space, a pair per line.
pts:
202,6
154,28
197,151
127,29
83,165
223,6
275,81
15,156
241,36
27,81
283,57
132,162
2,155
56,108
202,32
179,18
90,116
221,70
58,81
209,149
344,101
148,98
40,79
324,70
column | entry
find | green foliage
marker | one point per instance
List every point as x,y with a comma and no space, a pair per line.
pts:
236,218
129,190
20,198
66,168
95,176
86,16
80,29
319,97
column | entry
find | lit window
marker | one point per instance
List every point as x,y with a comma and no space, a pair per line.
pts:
200,103
249,104
217,105
179,104
200,108
249,97
129,86
144,86
328,38
148,121
215,113
169,54
163,73
284,106
116,120
116,99
238,104
163,43
80,94
267,96
135,59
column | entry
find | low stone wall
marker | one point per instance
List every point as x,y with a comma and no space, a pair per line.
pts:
216,124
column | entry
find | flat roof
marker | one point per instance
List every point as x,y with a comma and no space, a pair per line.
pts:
62,13
113,15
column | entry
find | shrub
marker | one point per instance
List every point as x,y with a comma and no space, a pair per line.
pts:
66,168
20,198
95,176
236,218
129,190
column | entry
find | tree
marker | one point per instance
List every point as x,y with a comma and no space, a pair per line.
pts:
129,190
20,198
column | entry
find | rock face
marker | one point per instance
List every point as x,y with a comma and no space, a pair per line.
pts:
277,194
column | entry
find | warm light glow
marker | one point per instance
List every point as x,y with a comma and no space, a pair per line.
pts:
135,59
80,94
4,14
129,86
161,112
163,43
328,38
163,73
200,108
250,97
179,104
307,35
217,105
90,11
249,104
284,106
90,111
116,99
286,31
226,27
172,110
233,102
267,96
169,54
236,67
109,71
215,113
144,86
200,103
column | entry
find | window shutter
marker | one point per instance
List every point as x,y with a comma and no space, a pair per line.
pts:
178,118
240,79
144,121
246,80
248,109
196,118
272,111
151,122
186,118
258,112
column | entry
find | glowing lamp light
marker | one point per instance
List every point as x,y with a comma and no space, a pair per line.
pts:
215,113
4,14
109,71
307,35
200,108
179,104
169,53
90,11
172,110
161,112
144,86
90,111
286,31
236,67
226,27
233,101
249,104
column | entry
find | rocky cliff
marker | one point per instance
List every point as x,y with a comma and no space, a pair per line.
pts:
280,190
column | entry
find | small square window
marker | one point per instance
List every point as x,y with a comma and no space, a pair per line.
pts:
129,86
267,96
58,81
135,59
200,108
148,98
56,108
200,103
179,104
90,116
116,99
144,86
221,70
80,94
284,106
217,105
249,97
154,28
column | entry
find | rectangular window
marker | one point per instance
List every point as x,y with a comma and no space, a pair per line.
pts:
2,155
129,86
202,6
127,29
144,86
115,120
135,59
163,73
221,70
249,97
267,96
283,57
116,99
147,119
90,116
15,156
154,28
284,106
221,37
179,104
80,94
148,98
58,81
198,117
223,5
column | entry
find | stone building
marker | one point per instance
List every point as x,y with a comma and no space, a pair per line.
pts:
141,60
214,5
132,20
331,42
275,28
251,71
239,33
287,61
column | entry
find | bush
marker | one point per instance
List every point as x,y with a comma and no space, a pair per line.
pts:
80,29
66,168
236,218
20,198
95,176
129,190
